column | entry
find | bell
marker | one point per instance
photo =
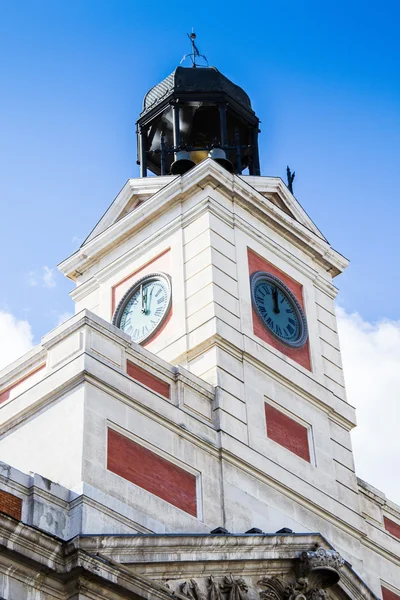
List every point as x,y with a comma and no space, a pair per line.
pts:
182,163
219,156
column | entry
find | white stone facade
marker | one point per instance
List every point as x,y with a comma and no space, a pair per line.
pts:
197,228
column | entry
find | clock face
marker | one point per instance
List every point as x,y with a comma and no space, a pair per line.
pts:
144,307
278,309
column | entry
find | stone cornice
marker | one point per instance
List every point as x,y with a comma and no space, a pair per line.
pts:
206,173
120,562
242,355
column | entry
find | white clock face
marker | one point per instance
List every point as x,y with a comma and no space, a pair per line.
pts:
144,307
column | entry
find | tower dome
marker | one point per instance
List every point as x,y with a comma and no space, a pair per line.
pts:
191,113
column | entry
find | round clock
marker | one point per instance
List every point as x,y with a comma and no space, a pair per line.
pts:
144,307
278,309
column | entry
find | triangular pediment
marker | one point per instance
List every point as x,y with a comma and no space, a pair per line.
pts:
131,196
137,191
142,201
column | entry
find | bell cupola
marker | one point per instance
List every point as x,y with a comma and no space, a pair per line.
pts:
195,113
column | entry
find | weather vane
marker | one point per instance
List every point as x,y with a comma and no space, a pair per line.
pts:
195,51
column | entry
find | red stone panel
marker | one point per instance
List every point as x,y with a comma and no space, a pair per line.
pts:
392,527
5,394
153,382
389,595
10,504
151,472
287,432
300,355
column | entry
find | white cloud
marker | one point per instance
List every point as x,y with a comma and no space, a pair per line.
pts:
16,338
45,278
371,362
32,279
48,277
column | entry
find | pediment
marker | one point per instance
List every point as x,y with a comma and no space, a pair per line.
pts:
141,201
131,196
239,567
137,191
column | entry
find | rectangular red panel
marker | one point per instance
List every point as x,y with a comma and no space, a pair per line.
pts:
287,432
392,527
153,382
151,472
300,355
4,395
10,504
389,595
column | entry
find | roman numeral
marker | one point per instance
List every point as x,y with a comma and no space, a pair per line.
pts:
278,330
290,329
158,312
160,299
292,321
159,291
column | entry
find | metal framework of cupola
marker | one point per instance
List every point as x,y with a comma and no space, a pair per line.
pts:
193,114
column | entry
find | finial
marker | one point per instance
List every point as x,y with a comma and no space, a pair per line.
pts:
290,177
195,51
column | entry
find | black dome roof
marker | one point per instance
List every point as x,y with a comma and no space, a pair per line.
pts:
198,80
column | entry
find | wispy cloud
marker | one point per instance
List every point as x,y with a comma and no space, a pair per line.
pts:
16,336
43,278
371,359
32,279
48,277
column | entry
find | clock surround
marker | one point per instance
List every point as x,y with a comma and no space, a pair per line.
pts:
145,306
257,262
278,309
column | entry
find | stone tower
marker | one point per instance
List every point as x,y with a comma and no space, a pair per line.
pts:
189,424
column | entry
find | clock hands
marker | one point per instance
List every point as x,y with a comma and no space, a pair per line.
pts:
275,299
141,296
146,301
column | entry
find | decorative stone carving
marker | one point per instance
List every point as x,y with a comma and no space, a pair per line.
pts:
274,588
237,588
214,592
191,590
321,567
230,588
317,594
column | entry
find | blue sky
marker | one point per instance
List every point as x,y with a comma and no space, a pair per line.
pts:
322,77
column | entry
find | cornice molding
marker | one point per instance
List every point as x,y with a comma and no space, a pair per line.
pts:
206,173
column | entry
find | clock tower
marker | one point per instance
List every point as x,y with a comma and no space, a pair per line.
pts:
199,386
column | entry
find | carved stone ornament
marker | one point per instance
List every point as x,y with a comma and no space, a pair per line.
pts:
317,594
236,588
214,591
276,589
191,590
321,567
230,588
